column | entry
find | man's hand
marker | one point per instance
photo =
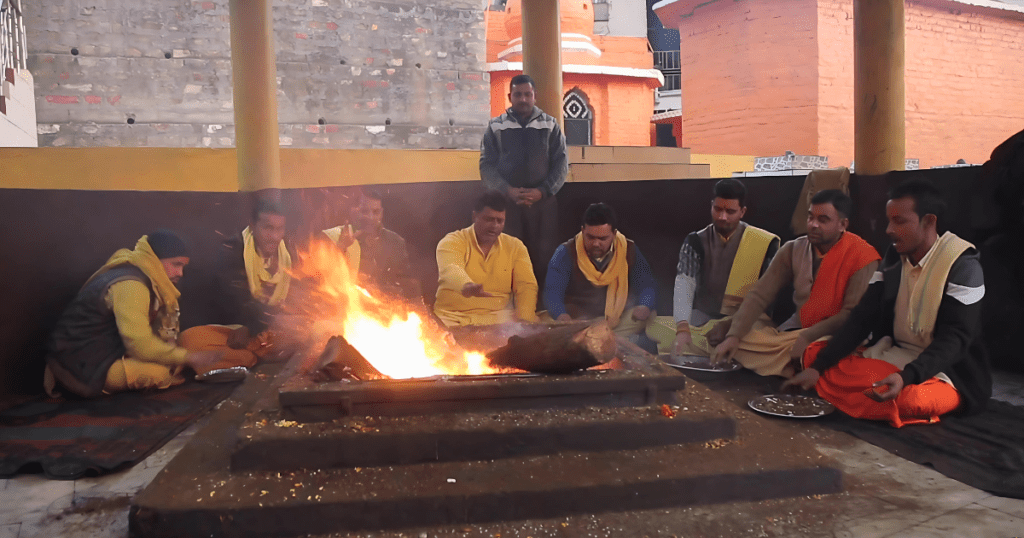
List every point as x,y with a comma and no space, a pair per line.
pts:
893,384
239,338
528,197
203,361
805,380
723,352
563,317
799,345
474,290
641,313
717,333
682,342
346,238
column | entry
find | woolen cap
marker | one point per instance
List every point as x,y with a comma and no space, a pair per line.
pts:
167,244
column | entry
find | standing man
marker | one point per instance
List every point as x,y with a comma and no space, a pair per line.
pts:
922,312
522,155
484,276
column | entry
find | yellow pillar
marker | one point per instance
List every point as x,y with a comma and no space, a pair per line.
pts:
879,106
254,73
542,53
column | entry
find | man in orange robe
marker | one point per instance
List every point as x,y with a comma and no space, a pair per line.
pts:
923,312
829,270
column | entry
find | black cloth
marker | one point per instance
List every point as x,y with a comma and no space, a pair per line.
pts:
86,341
537,227
584,300
168,244
73,438
957,348
233,302
984,450
693,263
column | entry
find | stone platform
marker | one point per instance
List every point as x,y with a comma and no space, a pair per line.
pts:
376,473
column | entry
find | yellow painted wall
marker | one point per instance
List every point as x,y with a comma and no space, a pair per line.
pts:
214,170
724,165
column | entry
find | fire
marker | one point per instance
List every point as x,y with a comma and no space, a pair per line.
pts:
389,333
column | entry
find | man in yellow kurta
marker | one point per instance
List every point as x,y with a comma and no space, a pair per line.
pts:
121,330
484,276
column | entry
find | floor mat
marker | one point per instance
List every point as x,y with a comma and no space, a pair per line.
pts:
72,438
985,451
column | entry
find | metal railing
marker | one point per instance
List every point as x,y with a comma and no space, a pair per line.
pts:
666,60
13,45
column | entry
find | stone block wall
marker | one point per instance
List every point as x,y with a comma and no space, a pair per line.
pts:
351,73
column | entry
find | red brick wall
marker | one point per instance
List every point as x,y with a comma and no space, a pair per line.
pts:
964,71
750,78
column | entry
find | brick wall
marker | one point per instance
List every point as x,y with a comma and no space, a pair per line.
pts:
750,78
352,74
965,71
964,68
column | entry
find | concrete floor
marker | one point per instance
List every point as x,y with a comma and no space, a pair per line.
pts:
923,503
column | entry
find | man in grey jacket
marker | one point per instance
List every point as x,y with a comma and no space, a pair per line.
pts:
523,156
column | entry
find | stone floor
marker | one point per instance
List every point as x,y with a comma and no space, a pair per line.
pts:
927,504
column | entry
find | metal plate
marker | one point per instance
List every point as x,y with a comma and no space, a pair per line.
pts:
698,363
775,404
224,375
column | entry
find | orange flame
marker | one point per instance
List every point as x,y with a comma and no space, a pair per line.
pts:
387,332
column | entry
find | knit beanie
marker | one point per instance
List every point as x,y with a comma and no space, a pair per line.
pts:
167,244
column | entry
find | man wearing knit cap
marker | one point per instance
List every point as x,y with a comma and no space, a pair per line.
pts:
121,330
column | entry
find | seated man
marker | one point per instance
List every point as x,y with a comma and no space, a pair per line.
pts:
717,267
120,332
374,252
599,273
829,269
482,273
923,314
251,284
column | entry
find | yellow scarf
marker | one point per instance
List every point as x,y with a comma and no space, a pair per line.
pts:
615,276
167,294
926,296
746,267
258,274
353,252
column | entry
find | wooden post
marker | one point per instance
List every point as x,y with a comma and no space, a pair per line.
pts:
254,72
880,104
542,53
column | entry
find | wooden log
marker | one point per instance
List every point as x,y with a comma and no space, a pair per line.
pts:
340,360
559,349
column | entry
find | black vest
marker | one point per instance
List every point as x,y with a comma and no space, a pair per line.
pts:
584,300
86,342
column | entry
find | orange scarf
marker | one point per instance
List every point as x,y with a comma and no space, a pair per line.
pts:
849,255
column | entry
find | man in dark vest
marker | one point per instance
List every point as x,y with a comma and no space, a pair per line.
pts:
120,332
600,273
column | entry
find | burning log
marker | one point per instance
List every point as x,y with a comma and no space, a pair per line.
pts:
559,349
340,360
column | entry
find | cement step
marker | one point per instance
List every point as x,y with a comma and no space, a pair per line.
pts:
197,494
267,442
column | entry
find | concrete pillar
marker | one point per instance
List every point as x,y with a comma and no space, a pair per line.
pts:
542,53
254,72
880,105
